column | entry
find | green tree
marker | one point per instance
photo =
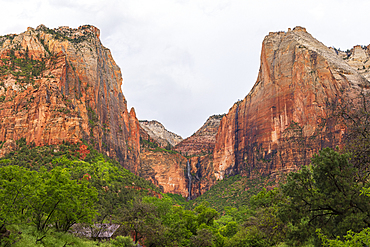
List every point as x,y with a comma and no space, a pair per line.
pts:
16,186
204,238
326,195
60,201
122,241
141,219
206,215
351,239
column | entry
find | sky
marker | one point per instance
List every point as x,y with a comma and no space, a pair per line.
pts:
185,60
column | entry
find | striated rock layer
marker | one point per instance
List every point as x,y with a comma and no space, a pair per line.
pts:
63,85
166,170
279,124
203,141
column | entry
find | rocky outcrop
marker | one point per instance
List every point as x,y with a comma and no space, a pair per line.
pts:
63,85
203,141
160,134
358,58
202,176
280,123
166,170
7,147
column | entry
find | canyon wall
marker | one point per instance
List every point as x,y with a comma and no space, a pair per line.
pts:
63,85
203,140
282,122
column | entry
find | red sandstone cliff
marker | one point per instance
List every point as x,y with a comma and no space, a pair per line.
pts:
278,126
162,167
203,141
63,85
169,170
281,123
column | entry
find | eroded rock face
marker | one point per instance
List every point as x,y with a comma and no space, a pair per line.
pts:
166,170
203,141
201,170
7,147
160,134
63,85
277,127
284,120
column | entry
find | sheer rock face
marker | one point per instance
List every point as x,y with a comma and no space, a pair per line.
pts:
203,141
277,127
63,85
160,134
201,170
166,170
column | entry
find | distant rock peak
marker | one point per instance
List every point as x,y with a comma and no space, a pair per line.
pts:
203,141
159,133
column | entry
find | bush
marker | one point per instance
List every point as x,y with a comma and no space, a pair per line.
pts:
122,241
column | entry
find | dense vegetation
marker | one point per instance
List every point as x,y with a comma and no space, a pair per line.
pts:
46,191
50,188
234,191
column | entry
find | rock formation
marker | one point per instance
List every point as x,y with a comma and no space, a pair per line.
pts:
166,170
279,124
163,167
159,133
63,85
203,141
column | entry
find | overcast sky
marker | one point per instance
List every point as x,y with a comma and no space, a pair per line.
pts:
183,61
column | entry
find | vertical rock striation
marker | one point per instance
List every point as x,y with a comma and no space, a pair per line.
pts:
63,85
279,124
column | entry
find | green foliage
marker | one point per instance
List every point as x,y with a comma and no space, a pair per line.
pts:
234,191
206,215
60,201
141,218
16,187
248,237
122,241
45,198
203,238
350,240
28,236
177,199
23,68
52,188
326,195
153,146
